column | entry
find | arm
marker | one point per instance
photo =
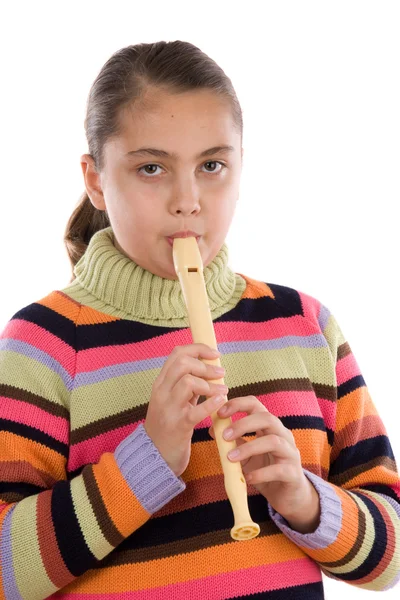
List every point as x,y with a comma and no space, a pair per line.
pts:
49,526
357,539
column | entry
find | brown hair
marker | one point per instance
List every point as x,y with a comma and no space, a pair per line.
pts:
175,66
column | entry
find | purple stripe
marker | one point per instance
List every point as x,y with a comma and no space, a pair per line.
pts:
330,521
34,353
323,317
120,369
11,591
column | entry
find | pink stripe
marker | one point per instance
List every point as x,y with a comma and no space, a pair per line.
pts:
18,329
311,306
225,332
255,580
91,450
280,404
347,368
28,414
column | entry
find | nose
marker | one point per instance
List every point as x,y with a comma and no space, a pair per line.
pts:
185,205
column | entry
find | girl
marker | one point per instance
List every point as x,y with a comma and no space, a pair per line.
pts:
111,483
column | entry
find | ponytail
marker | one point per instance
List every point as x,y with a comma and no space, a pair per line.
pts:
84,222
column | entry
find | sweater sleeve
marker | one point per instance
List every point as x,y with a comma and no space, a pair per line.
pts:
52,529
358,538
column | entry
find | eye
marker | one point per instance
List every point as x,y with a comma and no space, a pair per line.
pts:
209,162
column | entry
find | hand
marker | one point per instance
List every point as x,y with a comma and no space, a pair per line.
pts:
172,412
271,462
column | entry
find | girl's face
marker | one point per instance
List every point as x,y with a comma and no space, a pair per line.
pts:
150,196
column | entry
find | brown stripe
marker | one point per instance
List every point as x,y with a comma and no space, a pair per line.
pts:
54,564
362,524
100,426
343,350
282,385
10,497
383,461
9,391
327,392
133,415
106,525
21,470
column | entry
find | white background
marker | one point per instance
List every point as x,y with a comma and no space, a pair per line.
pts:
318,83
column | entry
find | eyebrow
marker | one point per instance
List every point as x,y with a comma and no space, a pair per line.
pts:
163,153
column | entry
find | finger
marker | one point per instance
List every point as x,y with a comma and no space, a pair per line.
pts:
239,441
260,421
182,360
204,410
278,472
272,444
249,404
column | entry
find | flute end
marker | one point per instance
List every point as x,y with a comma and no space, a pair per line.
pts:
245,531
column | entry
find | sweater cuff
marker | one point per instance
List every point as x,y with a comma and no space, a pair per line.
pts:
330,520
148,475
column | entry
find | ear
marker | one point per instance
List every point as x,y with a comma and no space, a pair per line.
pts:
92,182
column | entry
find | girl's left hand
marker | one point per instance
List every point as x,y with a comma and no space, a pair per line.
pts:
271,462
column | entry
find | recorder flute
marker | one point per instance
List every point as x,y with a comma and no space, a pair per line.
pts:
189,269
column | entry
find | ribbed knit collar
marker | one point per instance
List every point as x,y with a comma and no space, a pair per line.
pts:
120,283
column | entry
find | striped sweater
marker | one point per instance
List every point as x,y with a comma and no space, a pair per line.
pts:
90,510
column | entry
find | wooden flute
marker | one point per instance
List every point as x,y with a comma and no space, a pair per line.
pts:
189,269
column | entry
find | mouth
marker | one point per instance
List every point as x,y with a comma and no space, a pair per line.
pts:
171,240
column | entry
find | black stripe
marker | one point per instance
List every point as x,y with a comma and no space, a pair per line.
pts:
251,310
361,453
19,487
382,489
350,385
74,551
291,422
31,433
198,520
378,548
49,320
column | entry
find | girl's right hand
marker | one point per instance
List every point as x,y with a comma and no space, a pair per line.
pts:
173,412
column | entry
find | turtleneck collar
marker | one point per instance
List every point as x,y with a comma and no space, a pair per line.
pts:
119,286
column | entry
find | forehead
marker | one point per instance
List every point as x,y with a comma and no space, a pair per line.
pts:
193,117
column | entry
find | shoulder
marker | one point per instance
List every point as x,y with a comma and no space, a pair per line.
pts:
291,301
53,316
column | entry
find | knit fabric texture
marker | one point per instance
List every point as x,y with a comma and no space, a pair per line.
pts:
90,510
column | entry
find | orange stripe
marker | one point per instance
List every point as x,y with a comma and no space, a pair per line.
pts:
39,456
379,474
61,304
256,289
124,509
203,563
353,406
205,460
347,535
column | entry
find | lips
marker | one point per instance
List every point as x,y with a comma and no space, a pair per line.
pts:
171,240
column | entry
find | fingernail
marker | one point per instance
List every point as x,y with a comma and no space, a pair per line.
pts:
218,399
233,453
228,433
223,410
